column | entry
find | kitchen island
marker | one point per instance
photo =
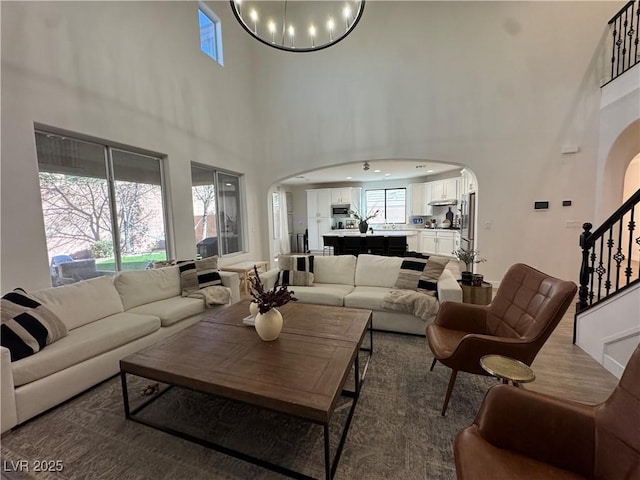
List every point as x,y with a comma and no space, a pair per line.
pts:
391,243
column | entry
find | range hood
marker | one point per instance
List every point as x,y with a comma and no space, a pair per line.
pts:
444,201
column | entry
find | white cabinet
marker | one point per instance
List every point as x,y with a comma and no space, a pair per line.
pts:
318,216
438,242
347,196
467,183
419,197
341,195
445,244
317,227
319,203
428,242
412,243
444,189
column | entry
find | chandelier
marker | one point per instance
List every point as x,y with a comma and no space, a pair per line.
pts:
298,26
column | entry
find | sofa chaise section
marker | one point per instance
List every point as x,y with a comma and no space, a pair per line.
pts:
108,319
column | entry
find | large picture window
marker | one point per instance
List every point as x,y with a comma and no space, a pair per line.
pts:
390,201
103,208
217,211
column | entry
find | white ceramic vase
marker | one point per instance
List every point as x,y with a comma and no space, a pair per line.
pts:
268,325
253,309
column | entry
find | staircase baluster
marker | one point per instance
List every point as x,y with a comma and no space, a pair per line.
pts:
585,270
631,227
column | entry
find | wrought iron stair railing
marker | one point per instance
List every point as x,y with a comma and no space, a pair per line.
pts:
610,256
624,26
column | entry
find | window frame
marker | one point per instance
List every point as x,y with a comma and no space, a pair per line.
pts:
110,179
217,24
383,209
241,226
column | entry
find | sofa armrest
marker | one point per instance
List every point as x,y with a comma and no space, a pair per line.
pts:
9,414
269,278
448,288
231,280
549,429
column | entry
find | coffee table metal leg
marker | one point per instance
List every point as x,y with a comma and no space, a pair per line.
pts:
125,395
327,453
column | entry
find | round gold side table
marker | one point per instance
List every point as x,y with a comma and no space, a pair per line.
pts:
508,369
477,295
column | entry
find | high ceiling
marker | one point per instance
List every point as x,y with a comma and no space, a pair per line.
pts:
355,172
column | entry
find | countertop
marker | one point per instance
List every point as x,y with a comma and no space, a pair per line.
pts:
377,233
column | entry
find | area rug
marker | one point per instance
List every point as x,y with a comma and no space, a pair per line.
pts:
397,430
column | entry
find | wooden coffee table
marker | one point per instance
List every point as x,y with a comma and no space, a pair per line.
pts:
302,373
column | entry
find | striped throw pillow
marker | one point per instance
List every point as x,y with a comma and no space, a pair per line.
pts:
27,325
302,263
198,274
410,272
428,282
294,277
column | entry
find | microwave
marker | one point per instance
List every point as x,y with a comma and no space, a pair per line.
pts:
340,211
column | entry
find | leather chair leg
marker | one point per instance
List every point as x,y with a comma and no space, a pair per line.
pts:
433,364
452,381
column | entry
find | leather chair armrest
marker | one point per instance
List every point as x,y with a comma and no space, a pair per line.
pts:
8,413
473,347
464,317
551,430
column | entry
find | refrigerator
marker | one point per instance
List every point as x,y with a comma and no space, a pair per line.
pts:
468,221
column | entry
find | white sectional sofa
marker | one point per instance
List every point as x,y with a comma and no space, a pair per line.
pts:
363,282
107,319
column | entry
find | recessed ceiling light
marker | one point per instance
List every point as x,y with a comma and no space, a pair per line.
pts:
228,185
429,171
420,166
349,178
300,176
377,171
387,174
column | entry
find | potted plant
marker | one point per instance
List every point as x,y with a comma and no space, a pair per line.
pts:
363,226
268,321
468,257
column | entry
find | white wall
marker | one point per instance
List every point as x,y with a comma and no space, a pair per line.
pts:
499,87
127,72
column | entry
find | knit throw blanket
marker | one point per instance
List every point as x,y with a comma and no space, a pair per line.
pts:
409,301
215,295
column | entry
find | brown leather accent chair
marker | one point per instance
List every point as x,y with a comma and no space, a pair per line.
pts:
527,435
527,307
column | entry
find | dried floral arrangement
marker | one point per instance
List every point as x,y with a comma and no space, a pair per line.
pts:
268,299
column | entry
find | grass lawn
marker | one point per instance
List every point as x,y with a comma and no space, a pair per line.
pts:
133,262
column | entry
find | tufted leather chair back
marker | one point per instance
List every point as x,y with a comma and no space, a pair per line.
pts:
528,305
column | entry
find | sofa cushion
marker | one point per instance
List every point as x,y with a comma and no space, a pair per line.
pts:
27,325
323,294
377,271
137,287
171,310
294,277
83,343
83,302
369,298
335,269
